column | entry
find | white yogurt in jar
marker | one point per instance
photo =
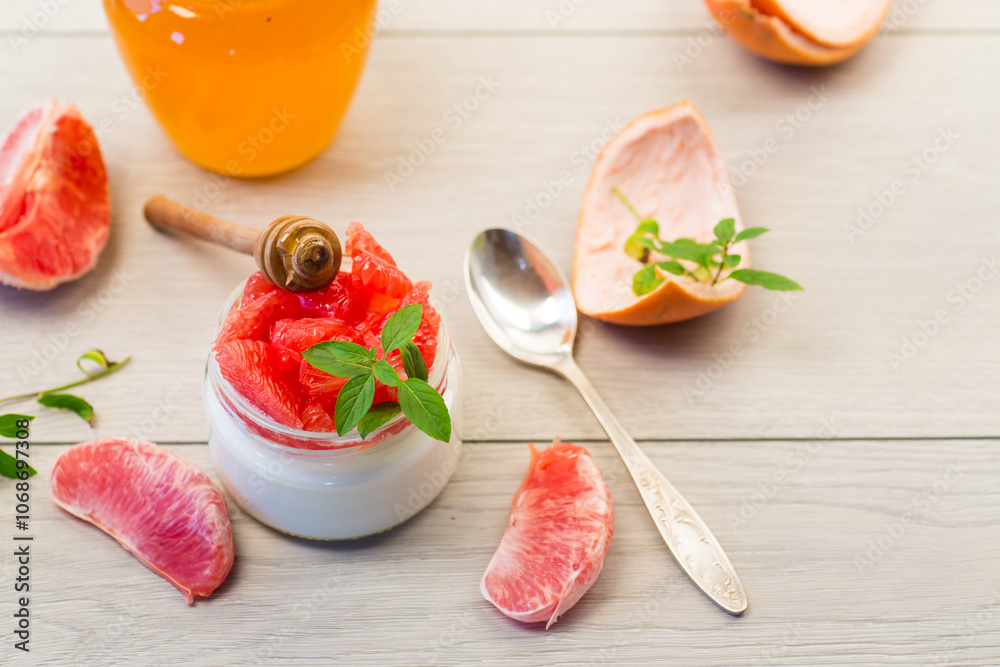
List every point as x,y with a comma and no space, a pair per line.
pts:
330,487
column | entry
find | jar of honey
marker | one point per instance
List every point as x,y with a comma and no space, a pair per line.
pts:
245,87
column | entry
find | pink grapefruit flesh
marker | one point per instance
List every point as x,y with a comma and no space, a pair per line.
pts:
259,350
55,211
160,507
667,164
557,537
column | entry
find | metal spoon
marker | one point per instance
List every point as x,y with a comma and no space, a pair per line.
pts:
524,302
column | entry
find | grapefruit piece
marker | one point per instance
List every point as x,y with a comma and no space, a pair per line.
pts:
55,210
259,347
556,540
163,509
668,165
801,32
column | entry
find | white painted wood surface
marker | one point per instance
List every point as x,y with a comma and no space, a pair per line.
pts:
820,594
719,427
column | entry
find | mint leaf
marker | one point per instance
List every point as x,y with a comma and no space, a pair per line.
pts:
691,250
69,402
646,280
413,361
401,327
10,469
423,406
643,240
766,280
670,266
379,415
751,233
731,260
8,425
340,358
353,402
724,231
96,356
385,373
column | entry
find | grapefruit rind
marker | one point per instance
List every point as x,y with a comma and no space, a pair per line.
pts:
770,36
89,478
668,164
557,537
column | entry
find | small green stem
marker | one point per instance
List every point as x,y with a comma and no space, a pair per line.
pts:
722,262
90,378
625,201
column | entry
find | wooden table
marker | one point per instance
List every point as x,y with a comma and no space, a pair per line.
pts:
846,455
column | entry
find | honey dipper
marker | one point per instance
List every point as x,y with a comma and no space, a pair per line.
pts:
295,253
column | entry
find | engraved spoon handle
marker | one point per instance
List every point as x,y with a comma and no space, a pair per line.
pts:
689,539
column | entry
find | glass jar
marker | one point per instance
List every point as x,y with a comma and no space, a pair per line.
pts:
245,87
321,485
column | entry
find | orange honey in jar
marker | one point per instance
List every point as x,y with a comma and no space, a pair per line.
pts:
245,87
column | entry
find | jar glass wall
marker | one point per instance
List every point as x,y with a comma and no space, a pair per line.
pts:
245,87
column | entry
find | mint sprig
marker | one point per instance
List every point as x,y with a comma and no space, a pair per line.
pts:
420,402
12,467
706,262
55,398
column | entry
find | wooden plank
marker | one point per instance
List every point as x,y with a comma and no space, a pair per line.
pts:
29,18
871,288
811,514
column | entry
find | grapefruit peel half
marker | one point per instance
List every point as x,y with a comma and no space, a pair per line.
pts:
800,32
668,164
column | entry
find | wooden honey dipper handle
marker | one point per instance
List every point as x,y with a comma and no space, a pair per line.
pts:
168,215
295,253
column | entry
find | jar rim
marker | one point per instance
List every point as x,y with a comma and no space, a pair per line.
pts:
325,441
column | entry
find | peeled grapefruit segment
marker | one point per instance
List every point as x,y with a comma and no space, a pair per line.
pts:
55,211
163,509
668,165
556,540
801,32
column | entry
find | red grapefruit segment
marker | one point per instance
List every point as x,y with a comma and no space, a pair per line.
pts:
163,509
558,535
55,211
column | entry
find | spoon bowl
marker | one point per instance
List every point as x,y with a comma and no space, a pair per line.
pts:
522,299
